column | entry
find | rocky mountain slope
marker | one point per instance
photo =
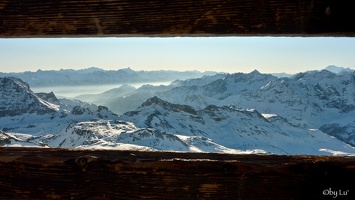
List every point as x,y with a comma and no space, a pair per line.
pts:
106,134
16,98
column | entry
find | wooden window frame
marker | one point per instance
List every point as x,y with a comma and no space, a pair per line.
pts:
50,173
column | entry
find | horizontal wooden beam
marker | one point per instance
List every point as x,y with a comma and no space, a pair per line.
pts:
39,173
165,18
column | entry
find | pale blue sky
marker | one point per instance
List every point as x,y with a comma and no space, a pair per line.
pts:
223,54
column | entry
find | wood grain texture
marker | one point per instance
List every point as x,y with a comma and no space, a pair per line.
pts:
33,173
74,18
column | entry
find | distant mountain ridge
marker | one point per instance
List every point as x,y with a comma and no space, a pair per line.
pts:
331,68
97,76
338,70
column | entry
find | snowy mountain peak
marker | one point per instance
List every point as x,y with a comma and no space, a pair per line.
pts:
167,105
16,98
91,69
315,76
127,70
155,101
327,73
338,70
250,77
13,82
255,72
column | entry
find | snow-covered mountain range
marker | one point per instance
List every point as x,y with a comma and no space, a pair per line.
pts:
311,100
308,113
97,76
246,130
126,98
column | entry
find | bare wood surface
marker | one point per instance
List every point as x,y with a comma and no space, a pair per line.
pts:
74,18
33,173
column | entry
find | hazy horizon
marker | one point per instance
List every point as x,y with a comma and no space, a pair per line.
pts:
86,68
72,91
251,70
220,54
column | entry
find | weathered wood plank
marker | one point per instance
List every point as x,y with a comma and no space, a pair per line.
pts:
31,173
74,18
